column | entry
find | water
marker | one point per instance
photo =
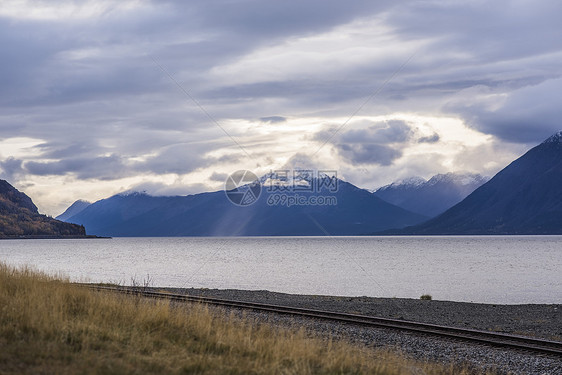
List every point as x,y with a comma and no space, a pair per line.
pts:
499,269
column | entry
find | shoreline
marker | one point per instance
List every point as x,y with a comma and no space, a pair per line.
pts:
536,320
46,237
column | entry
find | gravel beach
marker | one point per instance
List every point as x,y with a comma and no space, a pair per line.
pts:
544,321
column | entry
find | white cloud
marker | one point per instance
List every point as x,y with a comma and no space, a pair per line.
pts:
17,147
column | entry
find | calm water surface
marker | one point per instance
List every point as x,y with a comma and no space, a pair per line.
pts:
500,269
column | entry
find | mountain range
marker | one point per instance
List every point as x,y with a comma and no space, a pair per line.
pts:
356,212
523,198
430,197
19,217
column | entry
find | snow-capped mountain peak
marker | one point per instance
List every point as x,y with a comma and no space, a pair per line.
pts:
458,179
555,138
132,193
431,197
407,182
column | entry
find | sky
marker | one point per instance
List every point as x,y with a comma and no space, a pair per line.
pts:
169,97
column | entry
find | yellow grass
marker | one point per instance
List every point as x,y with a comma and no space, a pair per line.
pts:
49,326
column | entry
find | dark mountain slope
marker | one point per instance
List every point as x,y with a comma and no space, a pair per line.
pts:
19,217
523,198
106,215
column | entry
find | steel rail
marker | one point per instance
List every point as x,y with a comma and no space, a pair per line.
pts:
496,339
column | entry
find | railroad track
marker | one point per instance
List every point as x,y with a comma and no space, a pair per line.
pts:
501,340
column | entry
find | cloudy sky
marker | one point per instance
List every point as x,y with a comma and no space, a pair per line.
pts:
100,97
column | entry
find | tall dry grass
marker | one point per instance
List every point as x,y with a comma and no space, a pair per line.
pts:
49,326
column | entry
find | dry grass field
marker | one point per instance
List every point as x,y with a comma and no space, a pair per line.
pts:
50,326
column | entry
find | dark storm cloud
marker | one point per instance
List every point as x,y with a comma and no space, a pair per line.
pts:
57,150
43,65
528,115
429,139
303,95
103,168
378,144
365,153
391,131
217,176
11,168
489,31
181,158
176,159
273,119
270,19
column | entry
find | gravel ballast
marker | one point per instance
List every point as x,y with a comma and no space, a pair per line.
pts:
544,321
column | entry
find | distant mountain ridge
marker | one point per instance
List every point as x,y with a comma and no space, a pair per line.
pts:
74,209
211,214
523,198
431,197
19,217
